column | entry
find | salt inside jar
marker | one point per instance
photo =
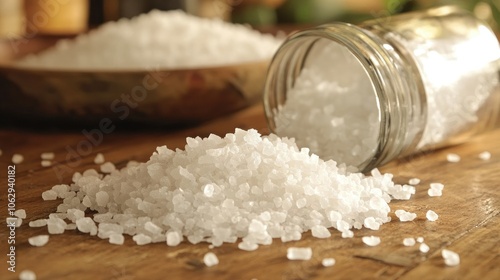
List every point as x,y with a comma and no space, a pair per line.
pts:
364,95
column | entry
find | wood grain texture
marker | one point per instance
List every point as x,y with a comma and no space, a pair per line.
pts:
468,221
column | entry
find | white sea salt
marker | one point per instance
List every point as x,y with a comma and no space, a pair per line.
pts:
145,42
450,258
45,163
424,248
107,167
452,158
420,239
297,253
485,155
174,238
27,275
17,159
39,240
141,239
56,225
49,195
38,223
327,262
210,259
247,246
405,216
116,238
20,213
414,181
431,216
371,223
409,241
99,159
371,240
47,156
436,189
283,194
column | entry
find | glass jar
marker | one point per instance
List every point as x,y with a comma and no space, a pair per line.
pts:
390,87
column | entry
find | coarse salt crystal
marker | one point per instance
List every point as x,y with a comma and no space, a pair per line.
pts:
27,275
348,234
17,159
450,258
47,156
99,159
107,167
414,181
437,186
85,224
56,225
174,238
409,241
38,223
431,216
371,223
210,259
20,213
297,253
327,262
420,239
116,238
485,155
247,246
320,232
141,239
434,192
371,240
39,240
46,163
405,216
49,195
424,248
452,157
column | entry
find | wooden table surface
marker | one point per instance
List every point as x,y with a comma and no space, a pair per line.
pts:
468,223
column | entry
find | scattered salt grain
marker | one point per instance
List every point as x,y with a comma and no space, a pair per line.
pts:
38,223
405,216
46,163
47,156
210,259
17,159
296,253
436,189
116,238
85,225
450,258
56,225
27,275
141,239
452,158
371,240
107,167
327,262
247,246
431,216
20,213
348,234
320,232
424,248
414,181
99,159
420,239
174,238
49,195
39,240
485,155
409,241
371,223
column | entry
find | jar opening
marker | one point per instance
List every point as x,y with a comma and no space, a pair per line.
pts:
326,99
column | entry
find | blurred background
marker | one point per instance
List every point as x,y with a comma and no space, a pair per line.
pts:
63,17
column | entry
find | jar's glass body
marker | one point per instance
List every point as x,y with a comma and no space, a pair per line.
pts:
390,87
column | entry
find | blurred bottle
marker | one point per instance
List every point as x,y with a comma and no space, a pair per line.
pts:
11,18
56,17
